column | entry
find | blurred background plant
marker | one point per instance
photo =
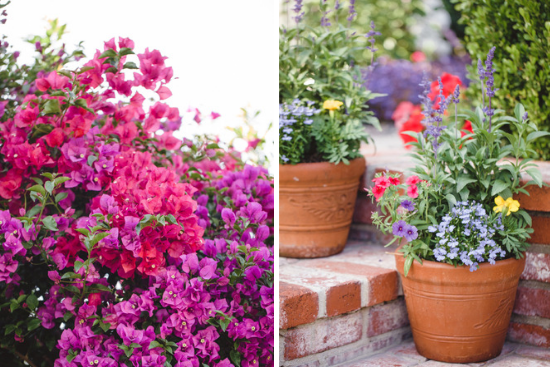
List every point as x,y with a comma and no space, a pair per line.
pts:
318,64
393,18
520,30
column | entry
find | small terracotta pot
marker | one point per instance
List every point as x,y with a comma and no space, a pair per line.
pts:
316,202
456,315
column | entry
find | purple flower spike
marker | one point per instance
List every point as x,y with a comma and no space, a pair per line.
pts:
456,95
399,228
525,116
297,9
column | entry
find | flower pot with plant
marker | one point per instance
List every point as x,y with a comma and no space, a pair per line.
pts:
458,220
321,128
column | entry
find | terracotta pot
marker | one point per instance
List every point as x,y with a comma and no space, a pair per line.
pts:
316,202
456,315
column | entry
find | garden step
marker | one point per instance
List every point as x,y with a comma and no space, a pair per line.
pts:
341,307
362,275
405,355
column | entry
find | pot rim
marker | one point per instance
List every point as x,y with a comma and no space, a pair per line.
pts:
319,165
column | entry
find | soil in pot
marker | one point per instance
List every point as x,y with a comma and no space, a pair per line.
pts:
459,316
316,202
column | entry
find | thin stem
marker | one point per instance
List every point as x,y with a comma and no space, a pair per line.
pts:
20,356
490,115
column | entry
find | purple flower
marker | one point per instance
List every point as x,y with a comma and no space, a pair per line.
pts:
411,233
399,228
407,204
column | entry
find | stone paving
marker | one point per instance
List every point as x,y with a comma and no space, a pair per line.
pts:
405,355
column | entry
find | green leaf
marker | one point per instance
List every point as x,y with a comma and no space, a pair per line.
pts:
108,53
78,265
32,301
33,324
498,187
49,186
81,103
408,263
535,175
536,134
51,107
37,188
130,65
125,51
40,130
49,223
92,159
462,182
451,199
61,196
60,180
98,237
154,344
83,231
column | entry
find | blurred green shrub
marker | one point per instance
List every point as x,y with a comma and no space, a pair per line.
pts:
393,18
520,30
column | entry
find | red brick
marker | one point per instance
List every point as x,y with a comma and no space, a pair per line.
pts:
532,352
387,317
363,209
325,283
343,298
538,199
537,267
323,335
532,302
298,305
383,283
541,225
529,334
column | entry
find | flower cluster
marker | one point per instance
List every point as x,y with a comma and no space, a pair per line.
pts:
122,244
382,182
402,229
295,120
465,236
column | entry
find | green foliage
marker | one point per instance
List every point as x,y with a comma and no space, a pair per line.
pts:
317,64
520,30
476,167
338,141
393,18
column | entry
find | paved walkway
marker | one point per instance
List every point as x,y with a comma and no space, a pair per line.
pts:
405,355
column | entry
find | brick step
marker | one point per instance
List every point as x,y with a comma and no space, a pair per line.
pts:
405,355
340,308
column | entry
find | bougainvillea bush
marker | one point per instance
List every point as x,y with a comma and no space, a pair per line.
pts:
122,245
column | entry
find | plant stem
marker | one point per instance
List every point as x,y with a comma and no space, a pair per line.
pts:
20,356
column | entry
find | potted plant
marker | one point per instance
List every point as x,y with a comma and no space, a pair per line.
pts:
459,221
321,128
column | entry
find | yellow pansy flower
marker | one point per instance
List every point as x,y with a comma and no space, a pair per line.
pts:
332,105
510,204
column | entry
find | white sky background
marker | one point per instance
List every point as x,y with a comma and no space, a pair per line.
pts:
224,53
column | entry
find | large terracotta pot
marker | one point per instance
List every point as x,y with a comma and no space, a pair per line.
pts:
456,315
316,202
